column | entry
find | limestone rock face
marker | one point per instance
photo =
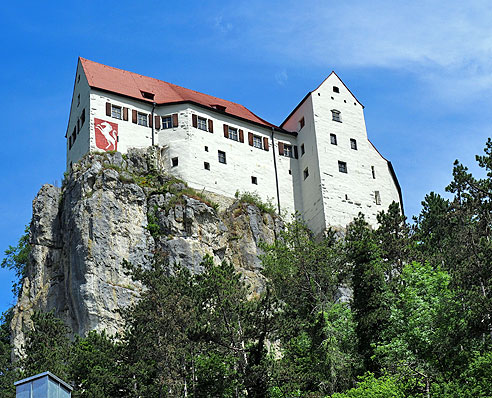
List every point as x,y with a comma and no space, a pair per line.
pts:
112,209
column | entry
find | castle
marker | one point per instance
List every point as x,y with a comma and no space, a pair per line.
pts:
318,162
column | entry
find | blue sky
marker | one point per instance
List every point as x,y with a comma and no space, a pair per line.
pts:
422,69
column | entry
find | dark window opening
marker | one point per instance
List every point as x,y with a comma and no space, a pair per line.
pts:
78,78
254,180
116,111
377,197
174,162
353,144
306,173
303,151
167,122
147,95
222,157
290,171
78,100
288,151
82,118
346,197
333,139
206,165
373,171
206,148
336,89
302,122
219,107
335,115
342,167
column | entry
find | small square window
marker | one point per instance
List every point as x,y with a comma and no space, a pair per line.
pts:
290,171
174,162
333,139
302,122
257,142
116,111
254,180
141,119
306,173
377,197
222,157
335,115
342,167
167,122
373,172
233,134
202,123
303,151
206,148
206,165
336,89
353,144
288,151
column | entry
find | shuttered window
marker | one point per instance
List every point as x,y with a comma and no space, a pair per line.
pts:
142,119
175,120
210,125
125,114
116,112
257,142
167,122
108,109
134,116
157,122
265,143
202,123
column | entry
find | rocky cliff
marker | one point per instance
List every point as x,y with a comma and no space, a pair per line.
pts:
113,208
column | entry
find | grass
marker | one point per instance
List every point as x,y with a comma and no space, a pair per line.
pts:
254,199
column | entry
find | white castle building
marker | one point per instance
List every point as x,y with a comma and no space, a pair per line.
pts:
318,162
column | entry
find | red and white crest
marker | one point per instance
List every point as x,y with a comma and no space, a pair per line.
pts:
106,135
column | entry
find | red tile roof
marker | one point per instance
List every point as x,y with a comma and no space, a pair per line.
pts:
132,84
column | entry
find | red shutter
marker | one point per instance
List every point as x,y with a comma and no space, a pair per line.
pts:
125,113
157,122
175,120
250,138
226,131
241,135
296,154
194,119
134,116
265,143
150,120
280,148
108,108
210,125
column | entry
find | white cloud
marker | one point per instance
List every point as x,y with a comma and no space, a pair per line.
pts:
281,77
443,42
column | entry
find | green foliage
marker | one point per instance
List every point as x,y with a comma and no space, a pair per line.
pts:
254,199
47,347
8,372
17,259
371,387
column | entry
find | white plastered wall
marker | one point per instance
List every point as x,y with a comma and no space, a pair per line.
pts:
188,143
347,194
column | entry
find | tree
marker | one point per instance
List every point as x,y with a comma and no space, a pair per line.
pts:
8,373
17,259
47,347
370,306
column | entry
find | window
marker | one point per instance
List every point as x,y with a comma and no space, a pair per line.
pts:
78,78
202,123
290,171
288,151
174,162
82,118
141,119
254,180
206,165
353,144
301,123
167,122
333,139
206,148
336,89
335,115
116,111
342,167
78,100
306,173
233,134
302,150
147,95
222,157
377,197
373,172
257,142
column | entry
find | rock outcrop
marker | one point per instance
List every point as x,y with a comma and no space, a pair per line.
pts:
113,208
